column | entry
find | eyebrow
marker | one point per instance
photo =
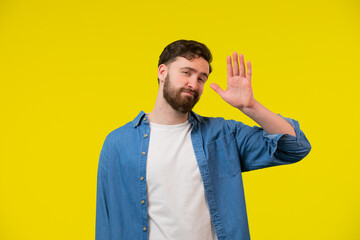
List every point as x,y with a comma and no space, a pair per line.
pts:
194,70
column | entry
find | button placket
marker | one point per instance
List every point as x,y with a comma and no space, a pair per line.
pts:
144,141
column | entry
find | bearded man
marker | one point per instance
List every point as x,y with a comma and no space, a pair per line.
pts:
171,174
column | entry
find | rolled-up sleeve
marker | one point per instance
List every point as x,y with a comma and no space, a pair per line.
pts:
259,149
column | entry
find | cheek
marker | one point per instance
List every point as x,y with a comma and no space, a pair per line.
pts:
201,89
177,81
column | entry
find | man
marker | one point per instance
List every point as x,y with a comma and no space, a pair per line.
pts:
172,174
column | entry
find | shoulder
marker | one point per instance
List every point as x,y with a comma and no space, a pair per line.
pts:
218,126
212,121
119,134
219,122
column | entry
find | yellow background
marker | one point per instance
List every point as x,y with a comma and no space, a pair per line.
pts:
72,71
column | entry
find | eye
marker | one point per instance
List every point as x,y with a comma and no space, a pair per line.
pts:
185,72
201,79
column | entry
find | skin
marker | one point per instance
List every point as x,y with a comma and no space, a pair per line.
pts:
238,93
163,113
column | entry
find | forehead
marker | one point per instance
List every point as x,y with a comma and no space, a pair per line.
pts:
200,64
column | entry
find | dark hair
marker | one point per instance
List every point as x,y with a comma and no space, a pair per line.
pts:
188,49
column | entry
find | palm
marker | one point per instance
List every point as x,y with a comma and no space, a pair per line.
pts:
239,92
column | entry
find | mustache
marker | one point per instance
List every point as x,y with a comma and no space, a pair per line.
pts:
195,93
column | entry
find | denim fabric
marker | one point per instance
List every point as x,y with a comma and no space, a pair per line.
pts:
223,149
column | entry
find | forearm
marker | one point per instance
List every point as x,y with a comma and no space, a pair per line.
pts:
269,121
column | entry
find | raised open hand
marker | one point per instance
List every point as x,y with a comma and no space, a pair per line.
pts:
239,92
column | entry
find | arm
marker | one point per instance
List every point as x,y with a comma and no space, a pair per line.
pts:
279,140
259,149
269,121
239,94
102,225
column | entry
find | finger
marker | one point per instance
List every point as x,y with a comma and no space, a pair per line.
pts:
235,64
229,67
249,70
242,65
217,89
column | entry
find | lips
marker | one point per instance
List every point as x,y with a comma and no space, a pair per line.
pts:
191,93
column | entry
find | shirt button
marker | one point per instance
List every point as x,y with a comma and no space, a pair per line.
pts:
141,178
145,119
145,135
143,153
142,201
144,228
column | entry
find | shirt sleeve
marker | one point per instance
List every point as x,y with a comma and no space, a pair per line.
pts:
102,226
259,149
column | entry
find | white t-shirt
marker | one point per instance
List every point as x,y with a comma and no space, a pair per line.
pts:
177,207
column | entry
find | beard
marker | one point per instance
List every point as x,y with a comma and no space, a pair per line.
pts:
177,100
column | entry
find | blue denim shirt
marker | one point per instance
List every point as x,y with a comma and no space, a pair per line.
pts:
223,149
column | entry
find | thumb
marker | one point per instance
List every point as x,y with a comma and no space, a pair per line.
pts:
217,89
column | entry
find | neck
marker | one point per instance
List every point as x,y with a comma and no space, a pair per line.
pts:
164,114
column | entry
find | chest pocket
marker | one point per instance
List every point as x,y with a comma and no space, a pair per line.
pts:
223,157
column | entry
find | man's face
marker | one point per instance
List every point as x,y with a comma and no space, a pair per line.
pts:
184,83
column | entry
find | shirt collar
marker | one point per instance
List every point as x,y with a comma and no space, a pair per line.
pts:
193,117
141,118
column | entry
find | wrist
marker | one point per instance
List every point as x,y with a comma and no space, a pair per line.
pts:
251,108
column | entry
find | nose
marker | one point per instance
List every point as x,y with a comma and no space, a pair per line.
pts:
193,83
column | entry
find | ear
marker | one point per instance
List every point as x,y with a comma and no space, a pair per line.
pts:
162,72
